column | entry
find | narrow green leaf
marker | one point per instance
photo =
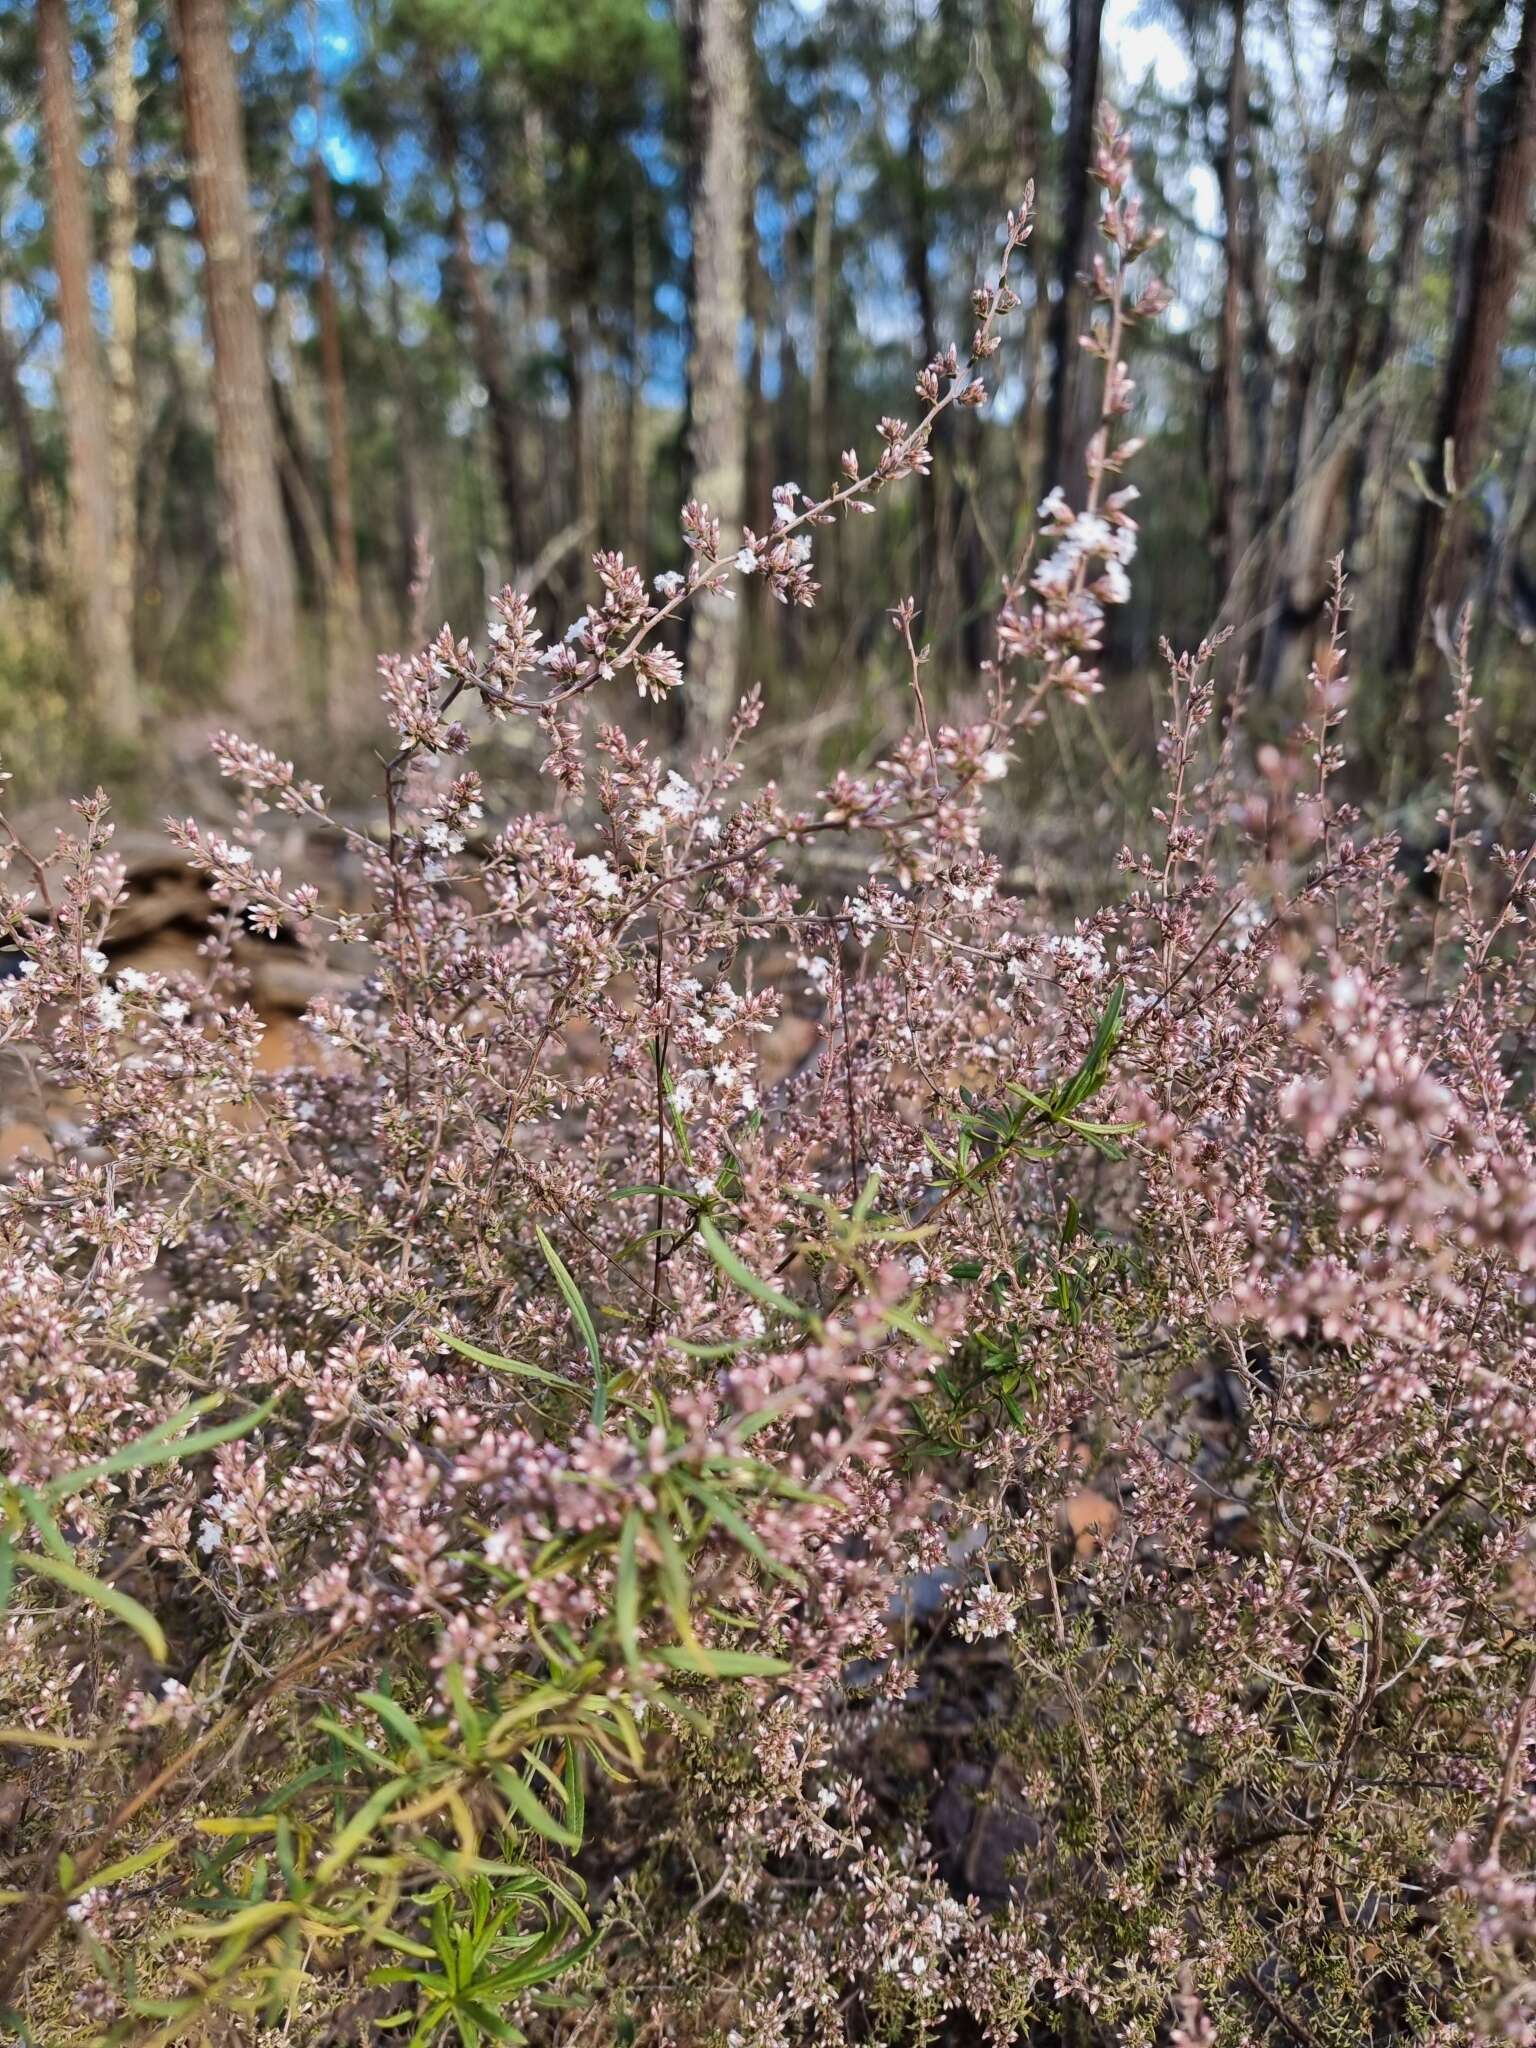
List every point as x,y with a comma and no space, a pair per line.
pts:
470,2009
249,1920
155,1449
1091,1075
903,1319
727,1350
127,1866
518,1367
1086,1129
575,1791
386,1937
38,1738
715,1504
581,1315
675,1116
721,1663
674,1573
729,1263
360,1827
286,1794
47,1528
374,1757
531,1810
139,1619
166,2008
470,1720
948,1165
1036,1102
626,1599
397,1720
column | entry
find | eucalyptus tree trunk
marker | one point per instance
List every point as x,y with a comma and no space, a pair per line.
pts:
1234,505
105,605
822,456
717,43
29,469
485,337
409,530
260,553
1381,348
123,333
332,365
637,503
1014,33
1085,23
1499,248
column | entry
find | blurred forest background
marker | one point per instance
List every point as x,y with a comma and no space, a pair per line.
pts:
284,286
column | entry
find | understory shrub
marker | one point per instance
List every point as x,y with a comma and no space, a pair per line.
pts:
546,1521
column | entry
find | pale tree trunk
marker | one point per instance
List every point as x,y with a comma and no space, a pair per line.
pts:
345,621
29,471
260,554
485,337
332,367
1298,521
92,525
761,455
159,570
1014,32
637,500
822,453
717,45
1085,23
1233,463
823,456
1499,248
541,239
1504,556
1381,350
303,506
123,305
409,531
931,574
586,494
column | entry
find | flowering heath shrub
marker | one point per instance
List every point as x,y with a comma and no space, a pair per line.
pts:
537,1523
